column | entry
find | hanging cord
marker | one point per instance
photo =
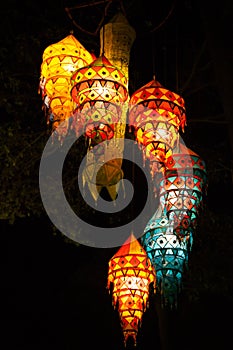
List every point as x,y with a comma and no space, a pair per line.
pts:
177,70
103,39
153,56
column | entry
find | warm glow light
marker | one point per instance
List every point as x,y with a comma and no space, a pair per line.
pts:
100,91
156,114
60,61
131,273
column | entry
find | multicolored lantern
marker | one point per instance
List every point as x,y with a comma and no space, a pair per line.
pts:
100,91
168,236
156,115
131,274
183,185
60,61
168,253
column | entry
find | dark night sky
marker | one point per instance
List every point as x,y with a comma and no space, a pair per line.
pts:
54,292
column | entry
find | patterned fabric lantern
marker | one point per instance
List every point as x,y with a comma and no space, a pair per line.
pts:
60,61
168,253
168,235
183,186
99,91
131,273
116,40
156,115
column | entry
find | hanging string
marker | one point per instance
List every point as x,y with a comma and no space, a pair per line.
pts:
104,19
176,61
153,56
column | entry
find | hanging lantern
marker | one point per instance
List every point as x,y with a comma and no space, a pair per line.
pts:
116,40
156,115
99,91
131,273
168,252
183,185
168,236
60,61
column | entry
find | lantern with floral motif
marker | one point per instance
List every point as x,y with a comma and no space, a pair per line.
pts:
156,115
131,274
60,61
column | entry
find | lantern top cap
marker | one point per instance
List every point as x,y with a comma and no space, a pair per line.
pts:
68,46
157,86
119,18
131,246
96,66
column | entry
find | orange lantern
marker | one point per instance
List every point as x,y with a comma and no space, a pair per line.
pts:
156,114
131,273
60,61
99,91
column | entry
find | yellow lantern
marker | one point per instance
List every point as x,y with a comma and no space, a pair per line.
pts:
131,274
60,61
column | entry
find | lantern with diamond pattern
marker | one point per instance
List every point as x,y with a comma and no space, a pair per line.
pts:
168,251
99,91
156,115
183,185
60,61
131,274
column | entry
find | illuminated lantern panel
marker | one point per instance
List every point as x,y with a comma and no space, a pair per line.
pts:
60,61
130,273
183,186
99,81
100,91
156,115
98,122
168,253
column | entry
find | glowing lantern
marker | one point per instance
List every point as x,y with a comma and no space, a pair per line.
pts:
183,185
99,91
156,114
168,253
168,236
116,39
131,273
60,61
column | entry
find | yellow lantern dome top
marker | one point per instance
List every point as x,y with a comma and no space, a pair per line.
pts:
68,46
97,81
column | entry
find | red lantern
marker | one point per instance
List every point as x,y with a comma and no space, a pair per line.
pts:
156,114
131,273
